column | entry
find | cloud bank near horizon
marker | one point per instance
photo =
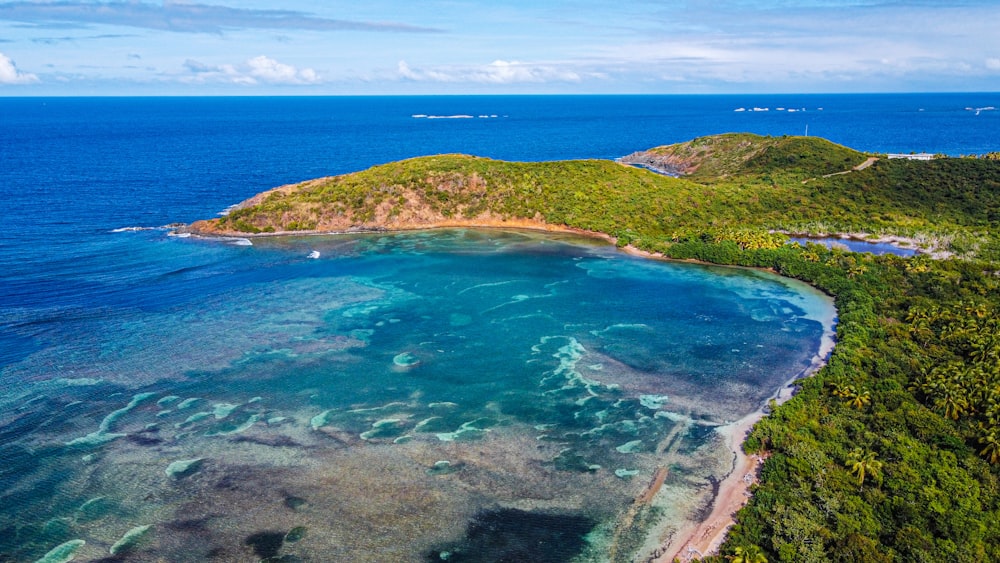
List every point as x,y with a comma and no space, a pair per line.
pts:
496,72
258,70
502,46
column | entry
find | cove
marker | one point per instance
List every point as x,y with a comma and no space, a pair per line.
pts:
459,394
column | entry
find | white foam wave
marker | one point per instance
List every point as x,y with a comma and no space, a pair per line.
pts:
456,116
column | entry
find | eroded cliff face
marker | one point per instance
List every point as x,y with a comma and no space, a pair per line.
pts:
669,164
409,210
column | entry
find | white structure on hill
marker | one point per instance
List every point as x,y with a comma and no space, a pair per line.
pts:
916,156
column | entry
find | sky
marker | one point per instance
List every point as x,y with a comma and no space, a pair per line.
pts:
313,47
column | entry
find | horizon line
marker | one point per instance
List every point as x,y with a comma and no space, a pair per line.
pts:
507,95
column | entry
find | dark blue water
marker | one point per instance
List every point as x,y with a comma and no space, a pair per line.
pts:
225,395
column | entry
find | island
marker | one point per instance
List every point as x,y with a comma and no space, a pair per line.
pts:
891,451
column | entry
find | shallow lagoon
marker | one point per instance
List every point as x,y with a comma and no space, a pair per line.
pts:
855,245
462,395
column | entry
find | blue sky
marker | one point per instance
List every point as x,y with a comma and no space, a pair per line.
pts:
209,47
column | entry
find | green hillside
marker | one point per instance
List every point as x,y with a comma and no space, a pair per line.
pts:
892,451
739,182
719,156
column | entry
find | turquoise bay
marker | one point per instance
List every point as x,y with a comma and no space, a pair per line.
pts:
384,396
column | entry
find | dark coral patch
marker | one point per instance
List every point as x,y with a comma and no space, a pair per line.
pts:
266,544
510,535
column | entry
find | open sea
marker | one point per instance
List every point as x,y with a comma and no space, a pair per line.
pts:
462,395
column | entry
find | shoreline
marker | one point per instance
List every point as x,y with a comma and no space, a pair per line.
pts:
515,224
705,537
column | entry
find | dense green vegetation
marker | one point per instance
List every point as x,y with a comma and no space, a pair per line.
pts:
885,454
778,185
892,451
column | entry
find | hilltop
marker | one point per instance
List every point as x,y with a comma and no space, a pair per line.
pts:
720,156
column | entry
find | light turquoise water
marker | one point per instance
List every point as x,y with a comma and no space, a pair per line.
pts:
377,402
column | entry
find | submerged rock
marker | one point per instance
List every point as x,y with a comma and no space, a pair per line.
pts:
265,544
632,447
194,418
103,433
222,410
432,424
568,460
56,529
130,540
405,360
93,509
62,553
295,534
653,402
444,467
184,468
321,419
237,429
294,502
386,428
187,403
94,439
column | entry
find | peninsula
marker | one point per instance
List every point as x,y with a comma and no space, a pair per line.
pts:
891,451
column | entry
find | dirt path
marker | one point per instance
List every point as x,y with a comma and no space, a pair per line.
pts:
868,162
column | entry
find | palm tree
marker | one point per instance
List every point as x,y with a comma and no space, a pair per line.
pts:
748,554
863,463
859,399
952,402
839,389
991,443
853,396
856,270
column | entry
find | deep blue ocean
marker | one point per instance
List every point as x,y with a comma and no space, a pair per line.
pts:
73,169
191,400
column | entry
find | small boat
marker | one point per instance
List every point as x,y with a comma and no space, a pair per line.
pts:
314,254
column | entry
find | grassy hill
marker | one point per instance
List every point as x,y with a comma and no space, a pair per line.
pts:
892,451
720,156
735,182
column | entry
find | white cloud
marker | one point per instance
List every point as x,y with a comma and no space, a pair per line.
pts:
271,71
497,72
182,16
9,73
993,64
257,70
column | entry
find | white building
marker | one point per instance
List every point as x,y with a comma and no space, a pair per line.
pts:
917,156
